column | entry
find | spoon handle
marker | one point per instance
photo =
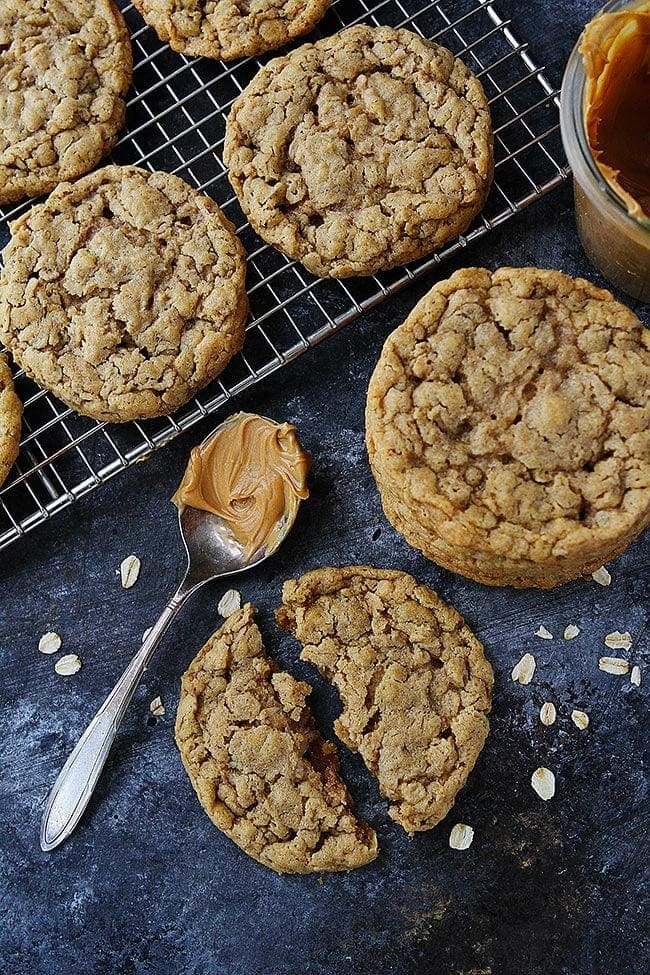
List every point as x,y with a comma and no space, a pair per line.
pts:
77,779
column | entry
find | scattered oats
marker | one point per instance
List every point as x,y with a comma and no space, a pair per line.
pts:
614,665
547,713
543,633
635,676
129,571
580,719
157,707
618,640
49,643
524,670
229,603
146,633
571,631
461,836
601,576
543,782
68,665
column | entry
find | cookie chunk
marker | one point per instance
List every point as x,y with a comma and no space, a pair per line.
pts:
414,682
507,426
226,30
65,69
362,151
124,293
11,411
261,770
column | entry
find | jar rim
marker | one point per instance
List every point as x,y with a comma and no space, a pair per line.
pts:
573,123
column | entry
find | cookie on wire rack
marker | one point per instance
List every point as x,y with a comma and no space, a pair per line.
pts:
124,293
11,411
228,30
363,151
65,69
508,426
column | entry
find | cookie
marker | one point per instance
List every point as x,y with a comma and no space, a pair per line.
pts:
124,293
226,30
362,151
507,426
65,69
11,411
262,772
415,685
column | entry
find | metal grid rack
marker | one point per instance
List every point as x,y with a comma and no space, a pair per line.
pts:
175,121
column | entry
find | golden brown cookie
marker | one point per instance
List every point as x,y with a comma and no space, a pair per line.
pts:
414,682
11,411
65,69
507,426
124,293
261,770
226,29
362,151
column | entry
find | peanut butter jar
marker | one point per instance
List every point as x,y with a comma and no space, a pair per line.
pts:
605,119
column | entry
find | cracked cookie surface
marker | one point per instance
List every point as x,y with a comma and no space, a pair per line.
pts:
507,426
11,411
65,69
414,682
259,767
227,29
124,293
362,151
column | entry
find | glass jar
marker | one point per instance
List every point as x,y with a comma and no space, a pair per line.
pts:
616,242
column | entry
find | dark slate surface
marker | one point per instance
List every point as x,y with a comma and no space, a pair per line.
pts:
147,885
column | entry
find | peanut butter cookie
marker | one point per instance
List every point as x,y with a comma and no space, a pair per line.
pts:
124,293
362,151
507,426
11,411
261,770
414,682
227,30
65,69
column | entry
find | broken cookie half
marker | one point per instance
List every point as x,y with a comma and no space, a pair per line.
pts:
261,770
414,682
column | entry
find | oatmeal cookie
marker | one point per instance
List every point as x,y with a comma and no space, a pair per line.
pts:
261,770
507,426
124,293
362,151
11,411
414,682
227,30
65,69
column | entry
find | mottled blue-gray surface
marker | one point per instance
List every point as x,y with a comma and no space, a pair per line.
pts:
148,886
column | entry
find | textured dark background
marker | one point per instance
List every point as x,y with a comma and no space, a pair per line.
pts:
147,885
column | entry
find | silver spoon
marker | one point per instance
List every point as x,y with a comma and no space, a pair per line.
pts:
212,552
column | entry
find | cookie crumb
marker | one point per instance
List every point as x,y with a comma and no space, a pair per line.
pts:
614,665
571,631
524,670
543,782
618,640
157,707
129,571
601,576
49,643
635,676
543,633
547,713
68,665
461,836
580,719
229,603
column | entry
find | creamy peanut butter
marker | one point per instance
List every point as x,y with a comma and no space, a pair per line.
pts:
252,474
616,52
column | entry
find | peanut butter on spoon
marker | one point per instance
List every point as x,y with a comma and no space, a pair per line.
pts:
252,475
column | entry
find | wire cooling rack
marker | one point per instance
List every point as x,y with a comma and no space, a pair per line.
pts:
176,117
